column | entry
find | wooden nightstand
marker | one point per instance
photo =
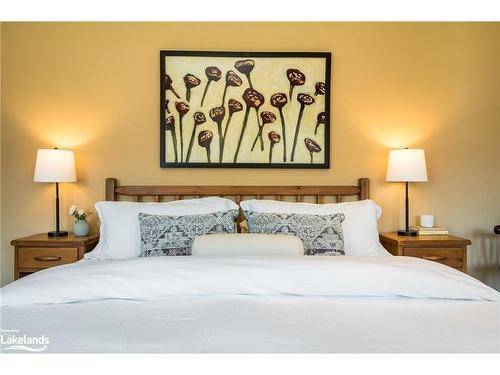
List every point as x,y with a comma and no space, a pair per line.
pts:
37,252
449,250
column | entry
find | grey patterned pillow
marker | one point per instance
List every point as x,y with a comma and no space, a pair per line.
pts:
174,235
321,234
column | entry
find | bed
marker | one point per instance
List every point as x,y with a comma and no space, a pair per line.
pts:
339,304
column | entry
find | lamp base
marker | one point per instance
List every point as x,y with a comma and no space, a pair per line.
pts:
411,232
55,233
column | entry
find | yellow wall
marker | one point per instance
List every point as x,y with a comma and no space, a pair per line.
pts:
94,88
1,231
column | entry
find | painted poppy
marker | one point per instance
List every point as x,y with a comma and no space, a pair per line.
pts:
245,67
190,81
273,138
312,147
199,118
304,100
217,114
204,140
213,74
296,78
182,108
279,100
252,99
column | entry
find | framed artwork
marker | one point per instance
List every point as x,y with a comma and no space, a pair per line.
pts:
244,109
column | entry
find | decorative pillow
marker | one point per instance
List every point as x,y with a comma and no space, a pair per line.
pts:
359,227
120,235
321,234
174,235
247,245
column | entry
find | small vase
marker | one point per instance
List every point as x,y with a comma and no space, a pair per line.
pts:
81,228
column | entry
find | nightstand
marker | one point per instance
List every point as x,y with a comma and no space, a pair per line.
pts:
448,250
37,252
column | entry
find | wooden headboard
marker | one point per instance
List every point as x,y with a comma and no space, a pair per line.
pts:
158,192
138,192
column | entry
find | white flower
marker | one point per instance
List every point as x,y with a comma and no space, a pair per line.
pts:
81,212
72,210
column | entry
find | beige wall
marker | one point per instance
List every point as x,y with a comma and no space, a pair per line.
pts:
94,88
1,231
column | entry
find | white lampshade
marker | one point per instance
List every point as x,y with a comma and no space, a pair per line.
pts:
53,165
406,165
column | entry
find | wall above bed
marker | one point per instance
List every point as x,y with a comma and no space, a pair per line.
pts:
93,87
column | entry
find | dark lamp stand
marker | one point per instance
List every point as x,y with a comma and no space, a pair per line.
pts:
407,231
57,232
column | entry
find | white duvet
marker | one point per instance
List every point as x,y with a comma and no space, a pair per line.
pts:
297,304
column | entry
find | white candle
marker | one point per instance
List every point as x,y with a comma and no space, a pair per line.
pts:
427,221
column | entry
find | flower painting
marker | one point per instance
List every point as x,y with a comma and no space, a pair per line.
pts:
245,109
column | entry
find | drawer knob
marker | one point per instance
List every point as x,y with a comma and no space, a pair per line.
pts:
48,258
434,257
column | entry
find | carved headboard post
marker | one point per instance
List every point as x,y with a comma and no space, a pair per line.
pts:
364,188
111,184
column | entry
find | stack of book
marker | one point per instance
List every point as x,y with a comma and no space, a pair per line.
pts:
434,231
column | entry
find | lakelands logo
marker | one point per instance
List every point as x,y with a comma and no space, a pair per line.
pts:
12,340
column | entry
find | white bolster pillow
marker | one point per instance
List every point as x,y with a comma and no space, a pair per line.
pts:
250,244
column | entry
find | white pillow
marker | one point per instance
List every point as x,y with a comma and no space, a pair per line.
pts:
120,232
359,227
234,245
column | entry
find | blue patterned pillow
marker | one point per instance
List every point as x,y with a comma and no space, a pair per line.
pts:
174,235
321,234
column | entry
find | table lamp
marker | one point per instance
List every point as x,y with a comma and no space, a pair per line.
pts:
406,165
54,165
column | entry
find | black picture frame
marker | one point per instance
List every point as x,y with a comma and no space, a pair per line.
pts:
244,55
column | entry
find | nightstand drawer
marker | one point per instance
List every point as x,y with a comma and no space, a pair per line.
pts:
451,256
39,251
45,257
449,250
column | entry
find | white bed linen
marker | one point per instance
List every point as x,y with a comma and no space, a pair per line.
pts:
301,304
